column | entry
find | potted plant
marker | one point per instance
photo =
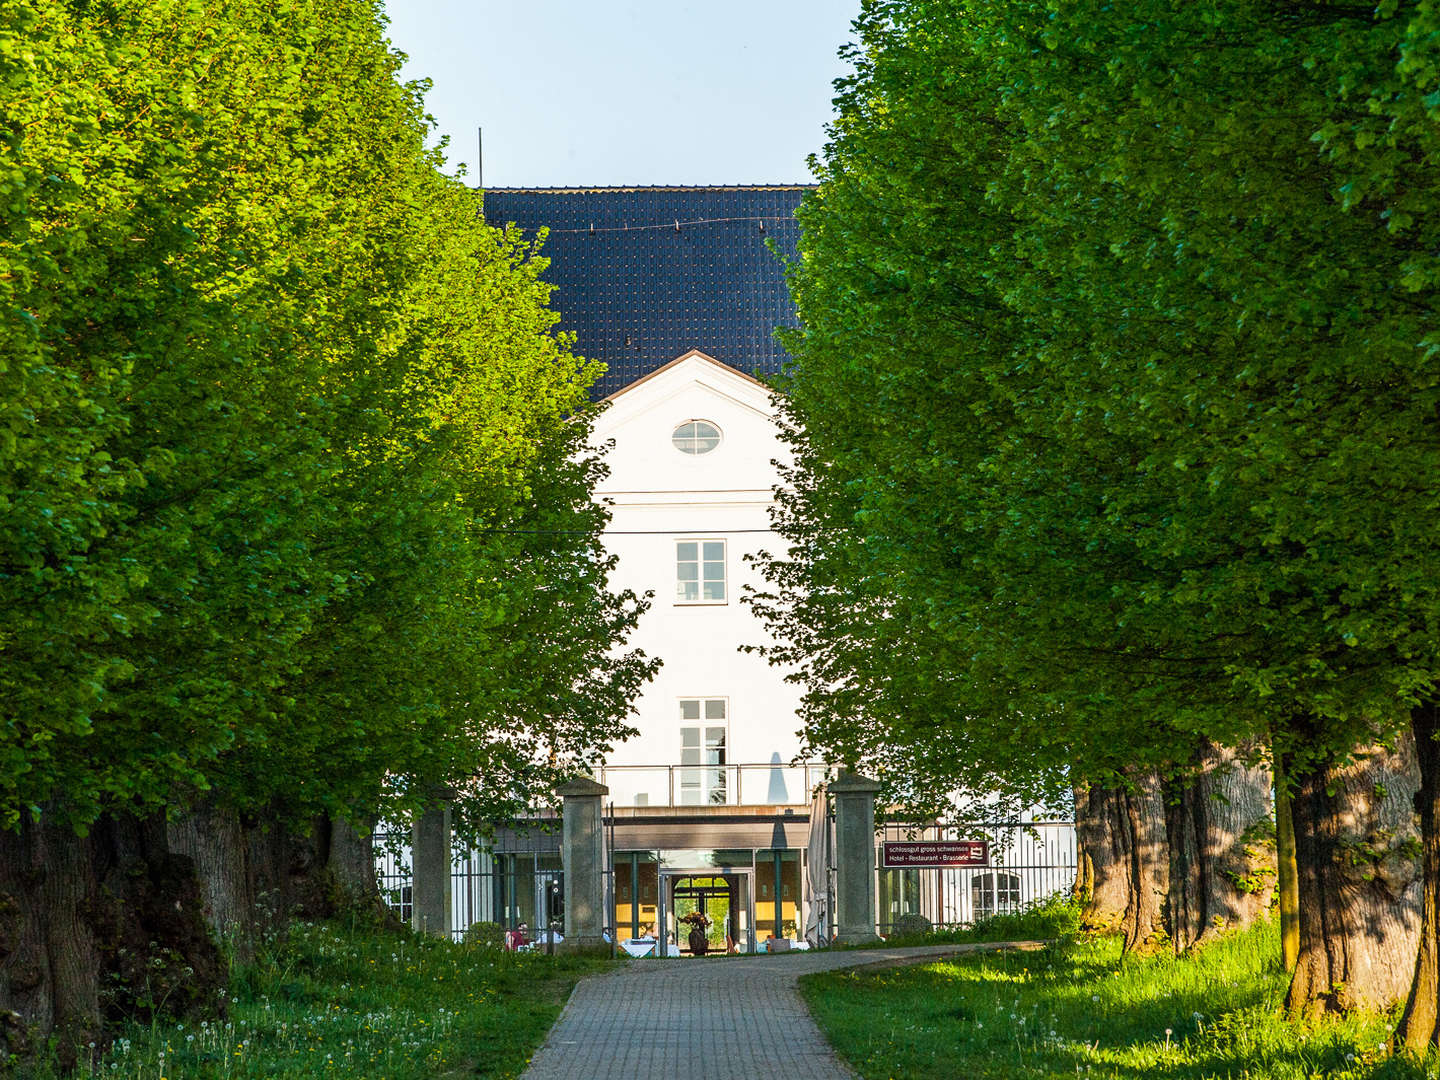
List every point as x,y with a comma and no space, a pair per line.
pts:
699,922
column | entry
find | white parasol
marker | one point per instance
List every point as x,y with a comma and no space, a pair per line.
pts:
817,870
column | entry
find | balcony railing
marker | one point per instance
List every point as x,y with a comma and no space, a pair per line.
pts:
712,785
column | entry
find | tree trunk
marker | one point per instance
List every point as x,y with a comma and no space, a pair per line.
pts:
1419,1028
49,974
1287,882
1143,924
158,952
1102,879
1222,847
96,928
329,870
216,840
66,890
1356,851
351,859
27,1001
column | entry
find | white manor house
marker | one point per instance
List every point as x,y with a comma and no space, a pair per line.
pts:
708,809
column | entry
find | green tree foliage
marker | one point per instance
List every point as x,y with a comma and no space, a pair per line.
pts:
1118,385
904,414
293,494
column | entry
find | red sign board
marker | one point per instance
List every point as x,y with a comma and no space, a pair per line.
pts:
907,854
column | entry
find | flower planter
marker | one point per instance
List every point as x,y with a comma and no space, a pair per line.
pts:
699,943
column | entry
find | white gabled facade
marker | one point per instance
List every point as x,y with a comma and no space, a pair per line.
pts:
704,810
674,512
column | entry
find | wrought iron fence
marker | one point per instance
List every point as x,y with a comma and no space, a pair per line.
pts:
517,883
1029,861
393,873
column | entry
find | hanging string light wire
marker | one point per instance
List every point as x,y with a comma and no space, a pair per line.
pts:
673,225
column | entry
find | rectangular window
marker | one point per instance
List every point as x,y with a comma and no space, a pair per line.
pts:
704,733
700,572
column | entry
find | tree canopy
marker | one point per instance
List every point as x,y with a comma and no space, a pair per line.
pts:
1115,400
1117,378
293,496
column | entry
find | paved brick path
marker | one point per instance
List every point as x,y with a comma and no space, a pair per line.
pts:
716,1019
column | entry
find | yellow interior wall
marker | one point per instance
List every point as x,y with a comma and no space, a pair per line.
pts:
626,905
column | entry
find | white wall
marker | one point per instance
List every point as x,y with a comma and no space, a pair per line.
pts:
724,494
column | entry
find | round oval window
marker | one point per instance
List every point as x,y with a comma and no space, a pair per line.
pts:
696,437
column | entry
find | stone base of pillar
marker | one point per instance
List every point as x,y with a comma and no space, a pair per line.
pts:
583,943
856,936
430,881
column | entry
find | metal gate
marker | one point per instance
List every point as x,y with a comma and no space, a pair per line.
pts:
1029,861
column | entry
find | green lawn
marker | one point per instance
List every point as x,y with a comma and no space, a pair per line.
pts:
338,1002
1057,917
1071,1010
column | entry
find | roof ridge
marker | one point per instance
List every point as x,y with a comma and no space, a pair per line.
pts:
688,354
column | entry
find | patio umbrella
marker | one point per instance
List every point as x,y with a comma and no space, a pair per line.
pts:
817,871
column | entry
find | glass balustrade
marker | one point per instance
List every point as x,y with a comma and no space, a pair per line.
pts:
711,784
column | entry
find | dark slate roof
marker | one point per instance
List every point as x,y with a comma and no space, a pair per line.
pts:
638,292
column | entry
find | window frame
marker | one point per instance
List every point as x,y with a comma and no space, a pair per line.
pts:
695,454
700,580
990,895
710,794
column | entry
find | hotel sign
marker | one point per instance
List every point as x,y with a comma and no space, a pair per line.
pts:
926,854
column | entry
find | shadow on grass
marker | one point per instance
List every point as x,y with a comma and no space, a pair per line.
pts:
1074,1009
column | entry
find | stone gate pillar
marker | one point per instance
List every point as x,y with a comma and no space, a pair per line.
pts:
854,858
583,851
430,868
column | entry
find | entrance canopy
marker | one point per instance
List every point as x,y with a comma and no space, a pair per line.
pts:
708,832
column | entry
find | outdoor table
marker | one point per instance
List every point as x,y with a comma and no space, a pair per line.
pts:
543,941
639,946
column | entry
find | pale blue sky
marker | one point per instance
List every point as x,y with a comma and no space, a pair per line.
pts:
607,92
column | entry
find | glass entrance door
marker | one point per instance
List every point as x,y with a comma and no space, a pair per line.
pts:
703,903
742,927
726,896
550,901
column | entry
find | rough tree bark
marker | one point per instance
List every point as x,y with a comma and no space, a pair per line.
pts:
123,923
27,1000
67,887
351,859
1102,879
1419,1028
255,877
1357,853
1222,847
95,928
315,874
1143,923
215,839
1287,881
